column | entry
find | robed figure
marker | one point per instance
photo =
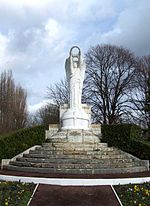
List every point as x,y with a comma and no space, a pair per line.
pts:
75,71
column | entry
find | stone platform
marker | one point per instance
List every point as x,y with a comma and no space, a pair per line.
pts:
75,152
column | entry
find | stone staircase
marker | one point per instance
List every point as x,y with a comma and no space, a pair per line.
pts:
76,152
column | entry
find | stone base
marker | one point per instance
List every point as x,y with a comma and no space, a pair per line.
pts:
75,136
94,133
75,118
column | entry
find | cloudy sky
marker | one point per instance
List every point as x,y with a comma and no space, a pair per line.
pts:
36,35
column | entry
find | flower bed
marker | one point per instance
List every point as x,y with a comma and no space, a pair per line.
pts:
15,193
134,194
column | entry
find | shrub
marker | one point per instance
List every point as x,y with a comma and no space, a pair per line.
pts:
127,138
146,134
16,142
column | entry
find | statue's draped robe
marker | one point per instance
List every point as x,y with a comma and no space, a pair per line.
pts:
75,78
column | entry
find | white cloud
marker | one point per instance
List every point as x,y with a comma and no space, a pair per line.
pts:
33,108
132,28
21,3
3,45
53,29
36,35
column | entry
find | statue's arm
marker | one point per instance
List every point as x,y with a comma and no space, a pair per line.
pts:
82,66
80,61
71,64
67,69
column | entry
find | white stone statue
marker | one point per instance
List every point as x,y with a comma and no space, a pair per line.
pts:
75,116
75,70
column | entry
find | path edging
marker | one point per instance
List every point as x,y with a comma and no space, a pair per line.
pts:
114,191
32,195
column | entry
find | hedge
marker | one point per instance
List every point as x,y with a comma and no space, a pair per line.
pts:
127,138
146,134
16,142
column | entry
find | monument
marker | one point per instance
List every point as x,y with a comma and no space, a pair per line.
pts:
75,117
74,146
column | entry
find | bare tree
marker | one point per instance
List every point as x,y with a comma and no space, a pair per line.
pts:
13,112
140,96
109,75
48,114
20,111
59,93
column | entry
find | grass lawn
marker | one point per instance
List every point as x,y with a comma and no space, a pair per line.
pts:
15,193
134,194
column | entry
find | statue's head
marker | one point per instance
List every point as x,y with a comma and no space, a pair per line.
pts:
75,55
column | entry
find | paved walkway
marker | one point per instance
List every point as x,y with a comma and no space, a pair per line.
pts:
48,195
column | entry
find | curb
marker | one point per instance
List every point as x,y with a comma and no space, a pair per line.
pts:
75,182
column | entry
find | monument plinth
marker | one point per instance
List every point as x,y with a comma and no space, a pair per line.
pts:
75,117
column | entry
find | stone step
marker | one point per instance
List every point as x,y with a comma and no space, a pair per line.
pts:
73,152
71,149
77,171
65,140
76,156
51,154
103,149
75,145
61,154
73,161
72,166
69,152
57,140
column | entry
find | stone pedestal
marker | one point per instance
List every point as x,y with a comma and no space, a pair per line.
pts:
75,118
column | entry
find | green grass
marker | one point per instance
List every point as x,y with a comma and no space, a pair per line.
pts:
134,194
15,193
